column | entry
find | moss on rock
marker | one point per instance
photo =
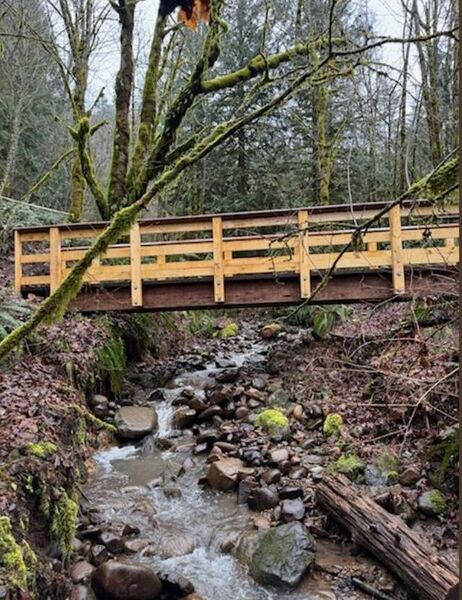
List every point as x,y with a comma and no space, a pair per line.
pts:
333,425
273,421
349,464
229,330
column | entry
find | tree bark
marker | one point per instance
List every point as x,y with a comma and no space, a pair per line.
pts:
386,536
13,146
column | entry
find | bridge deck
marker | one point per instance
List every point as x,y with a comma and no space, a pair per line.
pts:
248,259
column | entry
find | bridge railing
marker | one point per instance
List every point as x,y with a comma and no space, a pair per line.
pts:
301,242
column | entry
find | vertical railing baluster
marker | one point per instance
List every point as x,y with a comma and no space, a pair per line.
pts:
55,258
17,261
135,262
399,286
305,277
218,271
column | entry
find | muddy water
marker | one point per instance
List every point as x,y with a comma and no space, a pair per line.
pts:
134,484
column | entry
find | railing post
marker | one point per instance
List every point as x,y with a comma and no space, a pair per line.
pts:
305,278
17,261
397,250
135,262
218,271
55,258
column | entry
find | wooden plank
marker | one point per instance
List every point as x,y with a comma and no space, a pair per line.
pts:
135,262
303,252
28,259
17,261
35,280
218,269
55,258
397,249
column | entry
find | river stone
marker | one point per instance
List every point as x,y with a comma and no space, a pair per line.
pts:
169,541
125,581
224,474
135,422
263,499
81,571
79,592
282,555
184,417
292,510
279,455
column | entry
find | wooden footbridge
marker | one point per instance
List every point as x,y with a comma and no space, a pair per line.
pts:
250,259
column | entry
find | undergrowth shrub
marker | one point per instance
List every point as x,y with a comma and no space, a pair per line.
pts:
321,319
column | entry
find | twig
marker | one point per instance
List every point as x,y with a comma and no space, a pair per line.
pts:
365,587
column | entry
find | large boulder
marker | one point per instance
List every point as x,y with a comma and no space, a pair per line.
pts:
279,556
224,474
135,422
115,580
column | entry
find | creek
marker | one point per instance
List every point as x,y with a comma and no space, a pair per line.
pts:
185,527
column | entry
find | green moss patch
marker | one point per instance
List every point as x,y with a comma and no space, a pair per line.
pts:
64,522
350,465
333,425
42,449
229,330
273,421
17,561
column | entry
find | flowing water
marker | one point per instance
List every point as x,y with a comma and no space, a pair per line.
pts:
134,484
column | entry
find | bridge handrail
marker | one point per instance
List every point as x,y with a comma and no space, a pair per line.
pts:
300,250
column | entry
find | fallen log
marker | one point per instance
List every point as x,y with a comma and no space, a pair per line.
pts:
405,552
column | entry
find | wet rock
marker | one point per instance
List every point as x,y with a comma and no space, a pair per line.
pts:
210,412
298,412
81,571
297,473
100,406
317,473
292,510
200,448
279,398
271,476
279,556
285,467
279,455
245,489
184,417
289,492
270,331
125,581
410,475
98,554
129,529
225,446
172,491
91,533
259,383
375,476
174,586
169,541
135,422
224,474
224,363
262,499
156,396
133,546
228,376
252,456
432,503
80,592
241,412
197,404
112,542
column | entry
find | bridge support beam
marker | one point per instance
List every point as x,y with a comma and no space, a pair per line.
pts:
305,276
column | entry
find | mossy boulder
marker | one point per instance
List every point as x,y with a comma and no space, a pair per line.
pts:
229,330
350,465
282,555
64,522
332,425
274,422
432,503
